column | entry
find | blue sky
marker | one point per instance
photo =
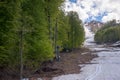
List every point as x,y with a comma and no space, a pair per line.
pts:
97,18
100,10
74,1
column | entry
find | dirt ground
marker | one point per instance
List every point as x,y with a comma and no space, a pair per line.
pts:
68,64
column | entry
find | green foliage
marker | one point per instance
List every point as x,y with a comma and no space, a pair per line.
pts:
37,40
63,28
44,27
70,31
9,15
109,24
110,33
76,34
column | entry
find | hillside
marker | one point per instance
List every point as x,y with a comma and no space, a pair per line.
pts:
94,25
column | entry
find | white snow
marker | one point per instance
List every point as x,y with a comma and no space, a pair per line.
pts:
105,67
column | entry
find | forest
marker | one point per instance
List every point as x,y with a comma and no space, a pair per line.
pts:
109,33
32,31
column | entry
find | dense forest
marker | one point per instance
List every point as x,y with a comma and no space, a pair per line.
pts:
34,30
109,33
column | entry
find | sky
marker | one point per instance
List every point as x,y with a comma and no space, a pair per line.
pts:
99,10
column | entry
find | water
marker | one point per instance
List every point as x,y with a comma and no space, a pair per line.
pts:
105,67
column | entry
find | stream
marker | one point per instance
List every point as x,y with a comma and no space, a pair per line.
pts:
105,67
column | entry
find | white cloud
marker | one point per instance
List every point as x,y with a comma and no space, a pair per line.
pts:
111,16
88,8
76,7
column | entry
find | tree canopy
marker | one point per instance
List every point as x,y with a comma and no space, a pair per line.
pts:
110,33
35,27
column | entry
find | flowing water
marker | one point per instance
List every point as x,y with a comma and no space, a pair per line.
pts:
105,67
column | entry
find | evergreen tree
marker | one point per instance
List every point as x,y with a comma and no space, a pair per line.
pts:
37,41
76,30
109,33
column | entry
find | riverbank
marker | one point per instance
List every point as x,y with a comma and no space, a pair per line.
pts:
68,64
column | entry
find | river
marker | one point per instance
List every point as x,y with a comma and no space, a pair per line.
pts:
105,67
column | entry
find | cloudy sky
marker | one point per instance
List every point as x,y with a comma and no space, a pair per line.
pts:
100,10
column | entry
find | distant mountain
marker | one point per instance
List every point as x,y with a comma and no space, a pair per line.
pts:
94,25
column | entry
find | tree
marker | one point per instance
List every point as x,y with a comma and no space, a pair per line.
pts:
9,40
109,33
37,41
76,30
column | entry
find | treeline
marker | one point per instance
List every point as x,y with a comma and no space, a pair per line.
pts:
35,28
109,33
